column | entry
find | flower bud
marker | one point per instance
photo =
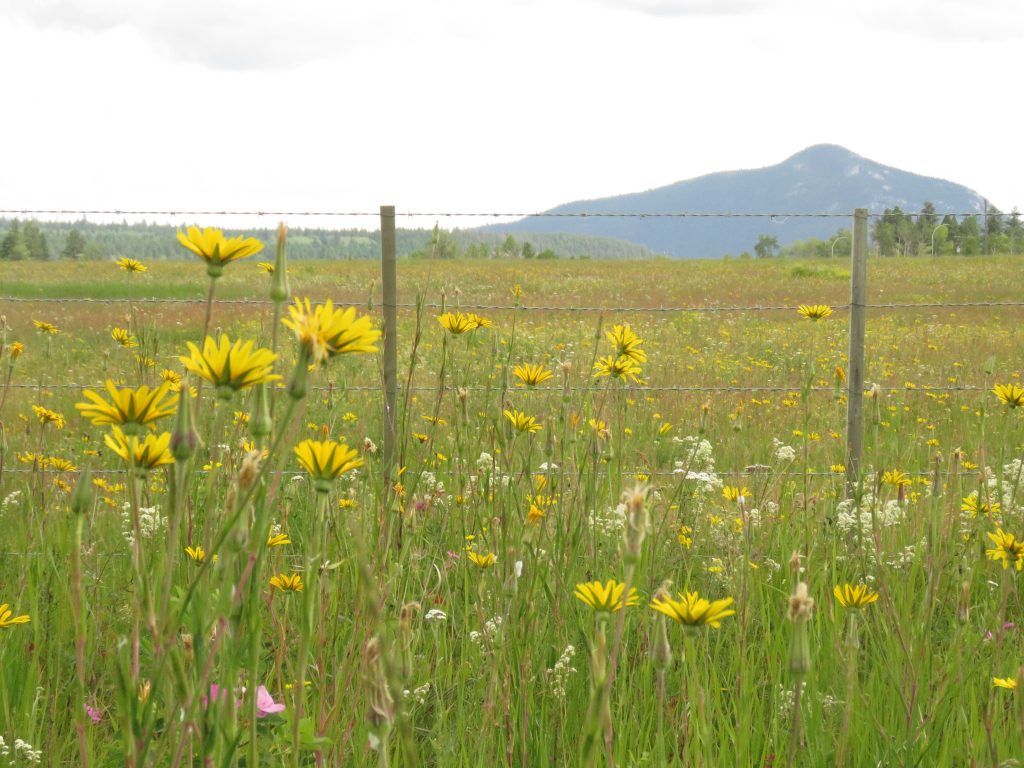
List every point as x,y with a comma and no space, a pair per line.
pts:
260,423
83,496
279,290
184,438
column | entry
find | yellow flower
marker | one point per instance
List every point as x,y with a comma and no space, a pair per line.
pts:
46,327
732,493
692,610
422,438
326,461
457,323
8,620
60,465
607,597
522,422
482,561
532,375
195,554
975,507
626,343
286,582
815,311
149,453
131,265
123,337
479,322
230,367
685,538
535,515
1007,548
325,331
137,407
1011,395
895,478
216,250
46,416
278,539
619,368
854,597
16,349
266,266
1004,682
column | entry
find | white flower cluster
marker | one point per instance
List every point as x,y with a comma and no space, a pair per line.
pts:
849,514
698,454
436,614
906,556
558,675
491,629
22,751
783,453
151,522
417,695
430,484
787,697
610,522
9,499
698,465
485,463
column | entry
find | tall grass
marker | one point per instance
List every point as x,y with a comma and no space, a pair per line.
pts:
402,650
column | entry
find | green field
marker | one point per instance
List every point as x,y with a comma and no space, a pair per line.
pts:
408,643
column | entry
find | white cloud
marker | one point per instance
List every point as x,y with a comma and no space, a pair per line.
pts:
228,34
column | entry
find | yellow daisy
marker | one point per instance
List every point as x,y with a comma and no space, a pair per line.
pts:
231,367
216,250
854,597
130,408
692,610
607,597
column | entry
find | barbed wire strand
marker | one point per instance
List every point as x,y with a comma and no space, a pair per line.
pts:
484,214
758,469
378,305
638,389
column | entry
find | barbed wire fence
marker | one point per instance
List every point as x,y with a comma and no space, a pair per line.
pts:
389,306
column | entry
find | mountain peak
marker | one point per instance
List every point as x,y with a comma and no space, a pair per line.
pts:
823,178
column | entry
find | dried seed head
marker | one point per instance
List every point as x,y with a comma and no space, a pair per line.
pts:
406,616
794,563
801,605
250,469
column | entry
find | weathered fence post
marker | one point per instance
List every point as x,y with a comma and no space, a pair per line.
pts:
855,375
390,307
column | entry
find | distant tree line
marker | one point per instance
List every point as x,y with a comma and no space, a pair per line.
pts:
896,233
157,242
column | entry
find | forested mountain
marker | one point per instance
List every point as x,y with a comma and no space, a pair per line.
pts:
821,179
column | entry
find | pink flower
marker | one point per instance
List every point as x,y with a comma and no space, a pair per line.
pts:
93,713
216,694
265,704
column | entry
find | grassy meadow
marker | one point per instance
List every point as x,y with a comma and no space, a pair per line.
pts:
272,593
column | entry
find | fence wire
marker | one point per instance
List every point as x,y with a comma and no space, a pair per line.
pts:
483,214
795,389
378,305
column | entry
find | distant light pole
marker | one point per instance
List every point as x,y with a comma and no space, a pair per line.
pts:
841,237
940,226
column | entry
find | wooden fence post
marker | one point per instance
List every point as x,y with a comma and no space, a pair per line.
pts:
390,307
855,361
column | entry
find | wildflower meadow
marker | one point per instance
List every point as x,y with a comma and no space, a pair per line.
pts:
615,528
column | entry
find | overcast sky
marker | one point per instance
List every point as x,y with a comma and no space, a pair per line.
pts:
489,105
